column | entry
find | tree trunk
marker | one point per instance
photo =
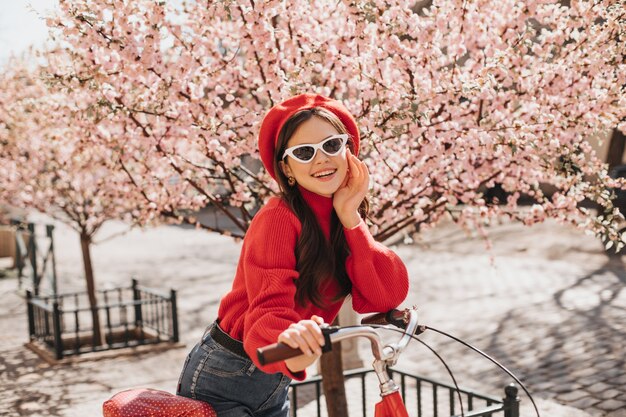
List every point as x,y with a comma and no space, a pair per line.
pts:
85,244
616,148
351,359
333,382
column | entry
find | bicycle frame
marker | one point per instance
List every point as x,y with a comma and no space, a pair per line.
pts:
391,406
160,403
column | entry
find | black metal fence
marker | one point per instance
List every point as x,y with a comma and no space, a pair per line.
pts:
129,316
423,397
34,253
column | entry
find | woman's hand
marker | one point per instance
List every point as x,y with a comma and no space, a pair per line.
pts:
349,196
307,336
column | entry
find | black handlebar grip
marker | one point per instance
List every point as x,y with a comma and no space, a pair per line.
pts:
398,318
280,351
276,352
378,318
394,317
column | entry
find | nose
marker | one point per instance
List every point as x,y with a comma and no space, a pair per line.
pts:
320,157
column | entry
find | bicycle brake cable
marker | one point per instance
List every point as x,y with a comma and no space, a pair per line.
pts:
498,364
475,349
414,337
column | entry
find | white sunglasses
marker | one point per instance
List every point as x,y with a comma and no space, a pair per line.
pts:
331,146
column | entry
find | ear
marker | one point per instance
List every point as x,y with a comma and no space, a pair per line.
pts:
285,168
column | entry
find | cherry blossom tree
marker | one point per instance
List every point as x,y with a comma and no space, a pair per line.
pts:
50,161
452,98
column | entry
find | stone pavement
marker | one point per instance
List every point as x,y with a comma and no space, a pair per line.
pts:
545,301
552,309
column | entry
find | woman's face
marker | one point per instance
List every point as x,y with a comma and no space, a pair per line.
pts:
324,174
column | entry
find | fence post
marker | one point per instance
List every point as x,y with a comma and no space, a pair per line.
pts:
137,302
19,261
49,230
174,316
32,252
31,315
56,320
511,401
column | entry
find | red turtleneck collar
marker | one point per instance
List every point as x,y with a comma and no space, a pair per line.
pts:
322,208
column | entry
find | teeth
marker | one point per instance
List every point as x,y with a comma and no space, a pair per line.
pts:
324,173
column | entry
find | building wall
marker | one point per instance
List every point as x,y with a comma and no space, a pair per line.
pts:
600,144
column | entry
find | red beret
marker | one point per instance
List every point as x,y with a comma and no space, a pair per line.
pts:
280,113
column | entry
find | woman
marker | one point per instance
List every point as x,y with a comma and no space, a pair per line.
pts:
304,252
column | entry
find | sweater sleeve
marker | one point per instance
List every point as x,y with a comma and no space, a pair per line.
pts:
380,281
270,270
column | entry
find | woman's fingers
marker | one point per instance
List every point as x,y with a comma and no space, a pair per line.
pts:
286,337
355,169
354,178
314,331
294,339
359,176
365,183
307,343
312,335
348,198
305,335
359,169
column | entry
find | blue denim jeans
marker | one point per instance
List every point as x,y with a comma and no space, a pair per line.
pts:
232,384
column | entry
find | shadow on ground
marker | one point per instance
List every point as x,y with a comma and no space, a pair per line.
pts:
574,345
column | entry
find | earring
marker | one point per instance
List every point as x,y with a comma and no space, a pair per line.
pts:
291,181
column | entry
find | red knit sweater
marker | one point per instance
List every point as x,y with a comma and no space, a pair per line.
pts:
261,302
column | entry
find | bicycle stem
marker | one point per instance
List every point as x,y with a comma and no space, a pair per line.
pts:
384,356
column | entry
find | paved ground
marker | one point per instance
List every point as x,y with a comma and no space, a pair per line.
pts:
552,309
545,301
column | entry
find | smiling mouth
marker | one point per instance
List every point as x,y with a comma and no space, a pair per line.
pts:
324,174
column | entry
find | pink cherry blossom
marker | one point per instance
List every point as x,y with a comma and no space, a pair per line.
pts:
451,100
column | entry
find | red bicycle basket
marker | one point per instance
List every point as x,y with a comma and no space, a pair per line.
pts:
145,402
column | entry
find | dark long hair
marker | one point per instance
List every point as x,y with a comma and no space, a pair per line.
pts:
317,259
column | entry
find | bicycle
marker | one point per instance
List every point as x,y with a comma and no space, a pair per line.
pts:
154,403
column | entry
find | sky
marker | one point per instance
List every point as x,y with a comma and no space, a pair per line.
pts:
21,25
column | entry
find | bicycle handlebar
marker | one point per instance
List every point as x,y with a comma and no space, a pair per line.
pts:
386,355
405,319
